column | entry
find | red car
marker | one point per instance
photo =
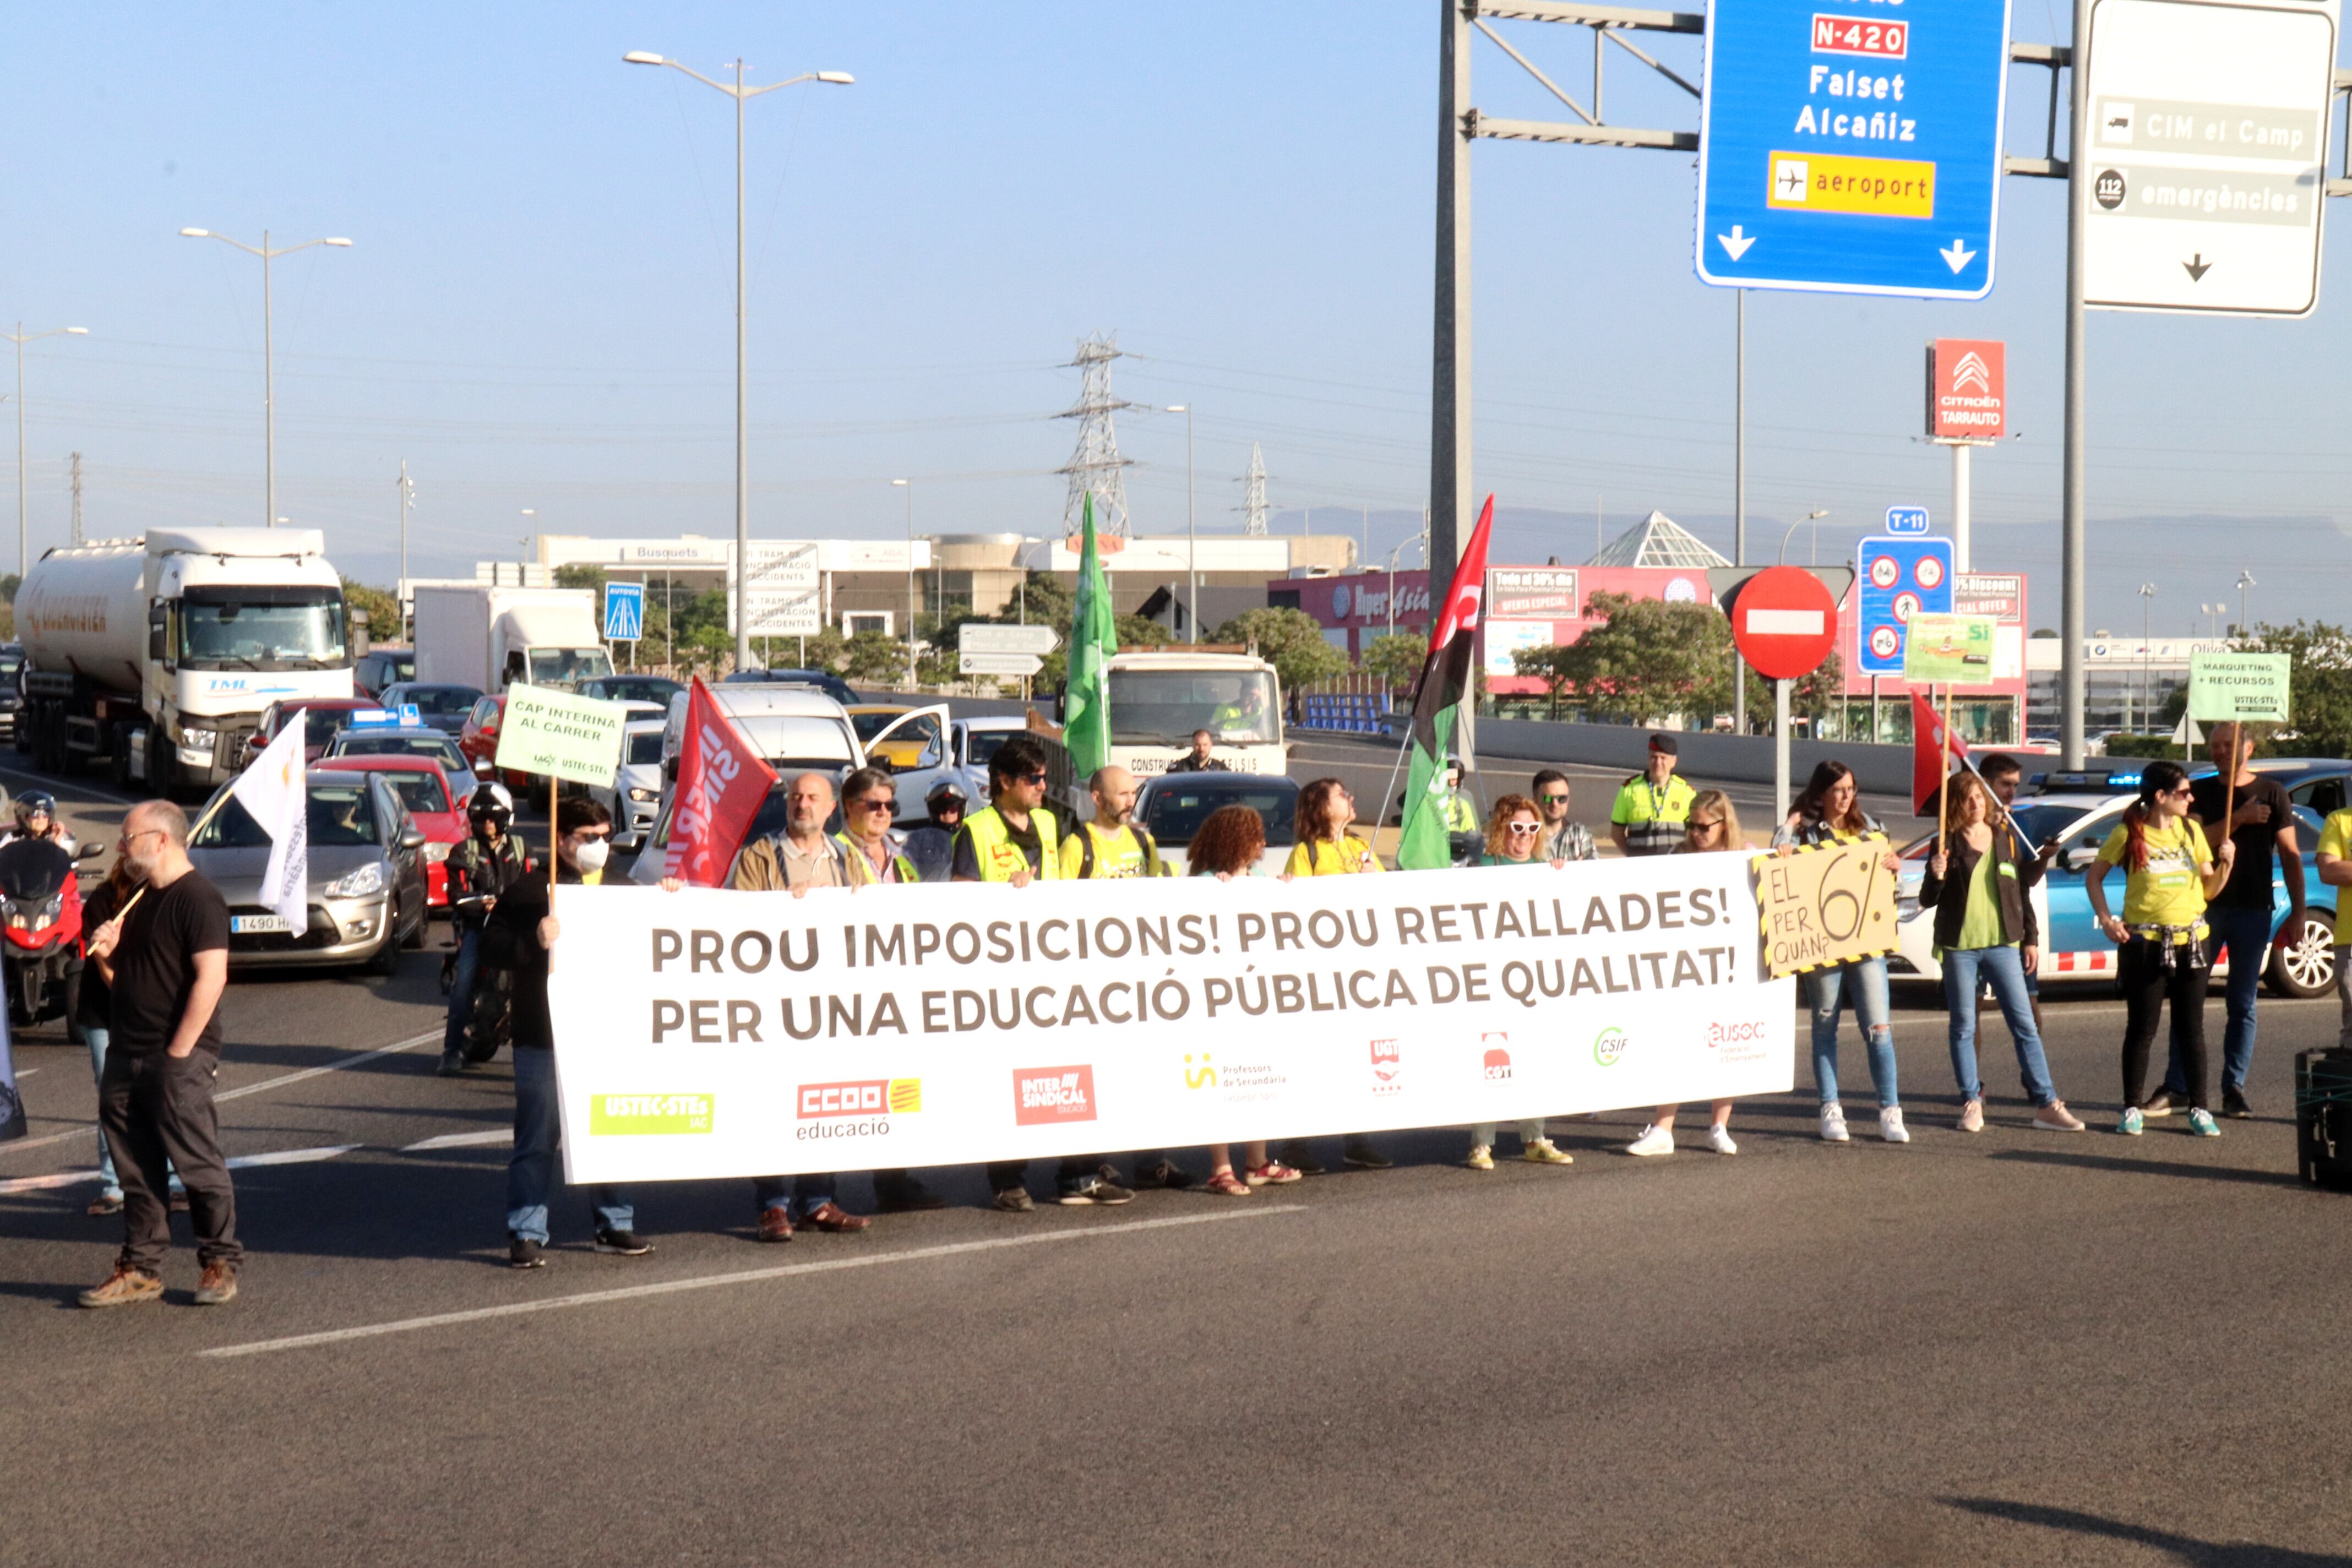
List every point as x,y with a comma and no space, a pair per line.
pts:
424,788
325,715
477,742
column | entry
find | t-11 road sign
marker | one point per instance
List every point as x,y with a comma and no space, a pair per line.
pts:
2208,149
1852,147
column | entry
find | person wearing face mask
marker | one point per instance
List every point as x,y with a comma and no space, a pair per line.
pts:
479,868
520,937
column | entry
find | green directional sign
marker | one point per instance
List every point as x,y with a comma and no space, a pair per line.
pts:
549,732
1948,650
2250,688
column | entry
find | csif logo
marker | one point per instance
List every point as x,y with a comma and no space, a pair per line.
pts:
1042,1097
1609,1045
1202,1077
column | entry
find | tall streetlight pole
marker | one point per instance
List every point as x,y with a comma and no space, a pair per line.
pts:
2245,581
20,337
269,366
908,486
741,93
400,590
1192,523
2147,607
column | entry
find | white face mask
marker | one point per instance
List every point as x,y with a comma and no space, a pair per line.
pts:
590,857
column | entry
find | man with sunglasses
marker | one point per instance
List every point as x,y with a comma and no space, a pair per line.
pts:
1653,806
1562,840
520,937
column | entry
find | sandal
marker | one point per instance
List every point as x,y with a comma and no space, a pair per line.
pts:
1273,1172
1226,1184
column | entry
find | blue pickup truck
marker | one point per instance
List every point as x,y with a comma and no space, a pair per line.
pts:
2081,809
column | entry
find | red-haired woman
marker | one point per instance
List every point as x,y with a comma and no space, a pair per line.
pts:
1228,846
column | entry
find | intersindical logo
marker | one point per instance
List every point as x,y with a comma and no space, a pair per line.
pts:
1042,1097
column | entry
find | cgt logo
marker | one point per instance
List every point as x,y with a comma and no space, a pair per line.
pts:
1721,1035
1498,1062
1387,1067
1043,1096
1609,1045
862,1097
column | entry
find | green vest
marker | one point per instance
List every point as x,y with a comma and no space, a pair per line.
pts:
860,870
992,846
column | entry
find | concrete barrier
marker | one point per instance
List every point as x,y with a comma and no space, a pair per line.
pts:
1739,759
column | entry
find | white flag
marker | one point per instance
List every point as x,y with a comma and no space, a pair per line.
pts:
275,793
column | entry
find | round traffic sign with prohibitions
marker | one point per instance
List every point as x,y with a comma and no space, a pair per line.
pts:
1906,606
1885,570
1784,622
1929,573
1885,642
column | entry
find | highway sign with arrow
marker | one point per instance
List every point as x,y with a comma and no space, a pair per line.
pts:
1847,147
2208,143
974,637
967,663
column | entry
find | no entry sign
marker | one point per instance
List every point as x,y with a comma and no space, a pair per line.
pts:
1784,622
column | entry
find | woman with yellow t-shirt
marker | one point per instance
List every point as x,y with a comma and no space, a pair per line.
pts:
1325,847
2168,874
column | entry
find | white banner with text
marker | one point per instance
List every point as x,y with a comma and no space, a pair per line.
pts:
709,1033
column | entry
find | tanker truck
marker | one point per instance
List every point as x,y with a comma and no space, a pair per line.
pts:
157,655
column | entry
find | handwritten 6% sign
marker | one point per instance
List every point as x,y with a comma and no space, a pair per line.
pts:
1825,904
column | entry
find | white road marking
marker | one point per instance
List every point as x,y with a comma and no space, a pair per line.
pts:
48,1138
351,1061
239,1163
74,787
28,1072
54,1179
461,1140
744,1277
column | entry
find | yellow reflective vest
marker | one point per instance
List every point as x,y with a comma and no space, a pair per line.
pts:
999,857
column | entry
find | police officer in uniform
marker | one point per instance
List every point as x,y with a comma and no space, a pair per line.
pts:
1653,808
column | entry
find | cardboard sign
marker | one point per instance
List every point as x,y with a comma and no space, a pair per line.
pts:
1948,650
2250,687
549,732
1825,904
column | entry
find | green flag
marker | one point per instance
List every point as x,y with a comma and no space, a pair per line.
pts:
1093,638
1426,844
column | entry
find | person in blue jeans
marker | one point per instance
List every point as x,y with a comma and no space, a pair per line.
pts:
1830,812
2262,825
93,1010
478,868
521,936
1986,932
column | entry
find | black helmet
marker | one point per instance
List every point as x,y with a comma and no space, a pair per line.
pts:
943,790
35,802
491,805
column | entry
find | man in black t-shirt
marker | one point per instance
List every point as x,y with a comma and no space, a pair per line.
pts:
2262,822
165,960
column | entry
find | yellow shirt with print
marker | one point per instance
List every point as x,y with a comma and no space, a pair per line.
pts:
2335,838
1120,854
2170,891
1349,856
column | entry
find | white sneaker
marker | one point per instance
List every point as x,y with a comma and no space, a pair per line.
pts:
1719,1139
1654,1140
1972,1116
1833,1123
1890,1125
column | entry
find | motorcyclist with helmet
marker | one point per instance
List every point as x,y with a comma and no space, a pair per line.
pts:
43,912
34,815
932,846
485,865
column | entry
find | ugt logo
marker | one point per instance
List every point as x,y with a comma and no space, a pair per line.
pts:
1387,1067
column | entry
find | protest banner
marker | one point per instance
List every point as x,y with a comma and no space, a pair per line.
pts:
730,1033
1825,904
1948,649
2248,687
552,732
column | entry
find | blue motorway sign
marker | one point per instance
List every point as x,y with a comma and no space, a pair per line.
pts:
1853,146
625,611
1898,578
1906,519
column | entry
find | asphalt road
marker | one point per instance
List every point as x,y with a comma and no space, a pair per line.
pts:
2015,1347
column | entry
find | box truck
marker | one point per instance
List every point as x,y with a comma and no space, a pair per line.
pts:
479,636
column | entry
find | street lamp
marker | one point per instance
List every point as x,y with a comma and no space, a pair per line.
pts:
2147,605
20,337
1192,523
1811,517
2245,581
269,371
741,93
908,486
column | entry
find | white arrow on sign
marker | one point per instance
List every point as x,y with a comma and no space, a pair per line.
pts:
999,664
1736,242
975,637
1957,255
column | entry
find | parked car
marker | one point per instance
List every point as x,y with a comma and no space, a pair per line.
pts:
399,741
432,802
477,742
438,707
2081,809
381,667
650,689
322,717
634,797
1173,806
824,681
367,888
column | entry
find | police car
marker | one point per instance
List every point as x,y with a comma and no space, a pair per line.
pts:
2080,809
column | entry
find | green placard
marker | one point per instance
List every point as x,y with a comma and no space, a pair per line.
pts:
2250,687
549,732
1948,650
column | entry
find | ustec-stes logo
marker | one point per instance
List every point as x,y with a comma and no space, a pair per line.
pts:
1045,1096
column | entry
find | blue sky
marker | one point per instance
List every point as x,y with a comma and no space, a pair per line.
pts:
537,311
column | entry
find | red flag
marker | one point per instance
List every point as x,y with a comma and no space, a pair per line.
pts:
1445,673
1930,746
720,784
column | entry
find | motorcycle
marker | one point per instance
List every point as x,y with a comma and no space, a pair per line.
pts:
40,929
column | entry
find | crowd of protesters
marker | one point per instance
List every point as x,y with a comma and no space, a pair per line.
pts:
2194,888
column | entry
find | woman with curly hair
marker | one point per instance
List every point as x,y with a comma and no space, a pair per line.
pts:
1513,831
1226,847
1325,847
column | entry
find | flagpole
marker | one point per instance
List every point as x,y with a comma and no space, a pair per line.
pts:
1944,806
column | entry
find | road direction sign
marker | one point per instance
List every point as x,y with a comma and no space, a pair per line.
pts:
2208,147
1900,578
1850,147
1784,622
998,664
782,578
1906,519
625,611
973,637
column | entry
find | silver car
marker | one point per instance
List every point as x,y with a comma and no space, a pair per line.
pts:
367,879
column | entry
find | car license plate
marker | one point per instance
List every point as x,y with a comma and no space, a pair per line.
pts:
240,925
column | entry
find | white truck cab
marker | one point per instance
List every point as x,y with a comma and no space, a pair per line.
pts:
1159,699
